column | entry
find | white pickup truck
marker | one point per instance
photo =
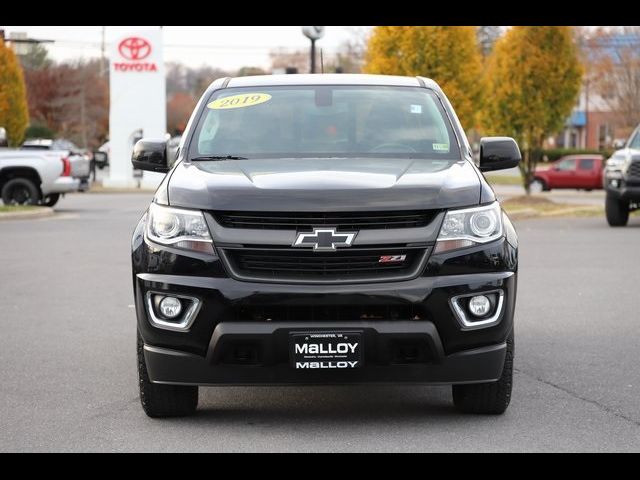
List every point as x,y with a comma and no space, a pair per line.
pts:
34,177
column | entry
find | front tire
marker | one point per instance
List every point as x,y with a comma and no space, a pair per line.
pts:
617,211
159,401
488,398
20,191
538,186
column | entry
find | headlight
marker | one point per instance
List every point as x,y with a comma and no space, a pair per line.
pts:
616,162
178,228
469,227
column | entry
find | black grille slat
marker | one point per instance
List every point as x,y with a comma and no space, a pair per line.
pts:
310,264
265,263
327,312
634,170
332,270
299,221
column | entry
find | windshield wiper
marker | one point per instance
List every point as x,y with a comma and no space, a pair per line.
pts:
219,157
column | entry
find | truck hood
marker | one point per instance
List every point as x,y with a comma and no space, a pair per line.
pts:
627,154
324,184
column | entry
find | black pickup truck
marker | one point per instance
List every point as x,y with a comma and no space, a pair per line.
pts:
324,229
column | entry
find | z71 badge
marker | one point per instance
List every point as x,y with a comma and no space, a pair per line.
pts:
392,258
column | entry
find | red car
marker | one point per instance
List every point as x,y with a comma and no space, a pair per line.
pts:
582,172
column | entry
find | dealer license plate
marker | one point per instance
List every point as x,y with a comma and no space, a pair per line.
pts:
326,350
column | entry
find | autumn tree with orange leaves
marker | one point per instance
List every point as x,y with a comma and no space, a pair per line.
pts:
533,80
14,112
447,54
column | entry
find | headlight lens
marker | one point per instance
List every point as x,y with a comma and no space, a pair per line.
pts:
469,227
179,228
616,162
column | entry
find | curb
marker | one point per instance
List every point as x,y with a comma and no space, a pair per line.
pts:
119,190
37,212
526,213
571,211
522,213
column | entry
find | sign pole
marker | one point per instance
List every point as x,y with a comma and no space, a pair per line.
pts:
313,56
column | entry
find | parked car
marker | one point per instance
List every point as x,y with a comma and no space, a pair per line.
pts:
101,156
582,172
34,178
80,160
622,182
324,229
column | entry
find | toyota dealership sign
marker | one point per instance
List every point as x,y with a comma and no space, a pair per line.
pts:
138,102
133,53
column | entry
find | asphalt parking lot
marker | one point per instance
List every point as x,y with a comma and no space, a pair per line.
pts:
68,375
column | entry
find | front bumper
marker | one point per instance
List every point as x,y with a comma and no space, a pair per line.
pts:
448,353
622,190
175,367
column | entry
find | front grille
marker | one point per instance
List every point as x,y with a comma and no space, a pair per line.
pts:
328,313
349,264
306,221
633,173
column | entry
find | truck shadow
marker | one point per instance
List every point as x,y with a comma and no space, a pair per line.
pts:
327,404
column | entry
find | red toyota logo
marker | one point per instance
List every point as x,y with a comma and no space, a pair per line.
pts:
134,48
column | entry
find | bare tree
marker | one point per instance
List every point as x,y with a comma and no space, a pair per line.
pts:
282,58
613,59
72,99
351,54
181,78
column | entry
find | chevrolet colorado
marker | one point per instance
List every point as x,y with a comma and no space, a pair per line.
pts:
324,229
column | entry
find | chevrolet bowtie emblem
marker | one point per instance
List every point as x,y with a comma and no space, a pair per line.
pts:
325,239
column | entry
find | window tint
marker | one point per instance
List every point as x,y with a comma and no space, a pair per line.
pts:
565,165
325,121
587,164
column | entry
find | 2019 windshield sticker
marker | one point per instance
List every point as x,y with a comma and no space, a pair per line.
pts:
441,147
239,101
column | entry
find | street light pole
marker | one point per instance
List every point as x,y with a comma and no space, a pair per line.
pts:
313,34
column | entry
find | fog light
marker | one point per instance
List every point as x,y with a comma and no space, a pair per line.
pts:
479,305
170,307
615,183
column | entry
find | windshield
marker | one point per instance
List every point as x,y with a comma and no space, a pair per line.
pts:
324,121
635,141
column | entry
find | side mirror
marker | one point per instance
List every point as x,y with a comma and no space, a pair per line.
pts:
498,153
150,155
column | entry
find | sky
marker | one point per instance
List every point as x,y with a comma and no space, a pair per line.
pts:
224,47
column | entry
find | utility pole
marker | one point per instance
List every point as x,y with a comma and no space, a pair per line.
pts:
103,56
586,113
313,56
